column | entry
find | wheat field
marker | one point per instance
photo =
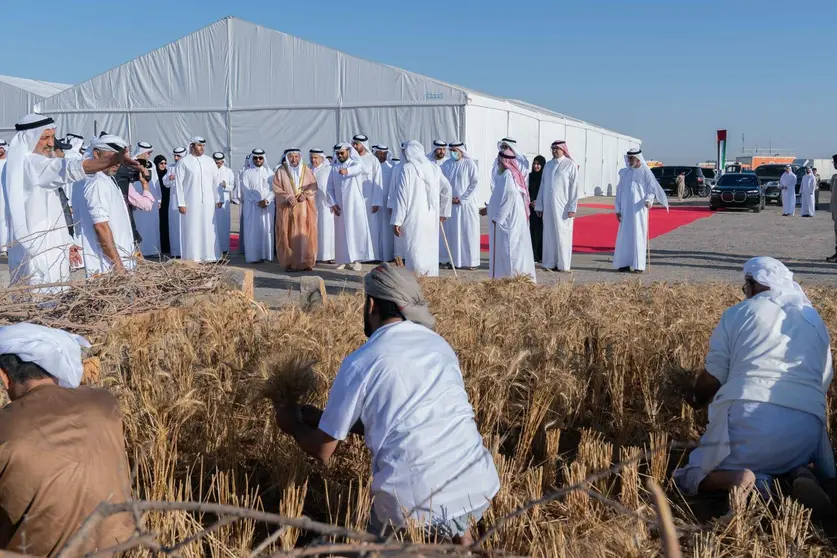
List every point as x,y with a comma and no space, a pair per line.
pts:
565,381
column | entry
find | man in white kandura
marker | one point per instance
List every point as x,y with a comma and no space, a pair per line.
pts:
557,203
387,243
403,392
325,218
226,187
258,207
522,161
787,185
147,222
41,247
107,236
421,202
196,183
635,194
766,375
4,223
76,152
463,227
373,190
398,166
439,155
808,193
353,238
169,182
510,244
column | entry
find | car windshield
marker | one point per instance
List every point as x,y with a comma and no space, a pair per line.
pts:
738,180
772,170
709,173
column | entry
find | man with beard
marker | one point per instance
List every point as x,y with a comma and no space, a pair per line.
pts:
258,210
325,218
387,237
295,188
403,392
196,183
463,227
353,240
373,190
169,182
226,188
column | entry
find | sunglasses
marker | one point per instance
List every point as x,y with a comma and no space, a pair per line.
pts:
258,158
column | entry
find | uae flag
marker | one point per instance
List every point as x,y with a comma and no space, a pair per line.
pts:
722,150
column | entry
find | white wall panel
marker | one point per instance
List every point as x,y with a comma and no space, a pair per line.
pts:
485,127
577,144
595,163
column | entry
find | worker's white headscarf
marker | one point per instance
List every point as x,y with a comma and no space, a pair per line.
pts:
55,350
76,141
383,149
784,291
143,147
353,154
659,193
14,182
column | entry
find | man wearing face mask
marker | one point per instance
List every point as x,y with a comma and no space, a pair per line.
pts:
463,227
635,194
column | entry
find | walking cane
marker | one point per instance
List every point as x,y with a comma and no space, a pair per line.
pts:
493,262
447,246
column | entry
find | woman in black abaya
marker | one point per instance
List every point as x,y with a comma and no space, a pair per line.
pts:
535,222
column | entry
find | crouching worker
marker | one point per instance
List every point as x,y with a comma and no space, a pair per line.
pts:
62,450
403,391
767,374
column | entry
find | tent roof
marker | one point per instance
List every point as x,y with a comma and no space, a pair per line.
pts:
36,87
215,69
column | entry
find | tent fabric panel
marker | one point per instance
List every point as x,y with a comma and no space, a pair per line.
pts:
576,139
398,124
87,123
277,130
526,131
14,104
485,127
549,132
167,130
593,173
272,69
610,165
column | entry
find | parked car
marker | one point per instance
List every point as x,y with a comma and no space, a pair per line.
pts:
710,175
695,180
772,192
826,170
738,190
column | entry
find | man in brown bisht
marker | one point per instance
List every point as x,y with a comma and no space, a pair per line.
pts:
62,450
295,187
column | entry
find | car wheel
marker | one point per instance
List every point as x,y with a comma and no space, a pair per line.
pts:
703,191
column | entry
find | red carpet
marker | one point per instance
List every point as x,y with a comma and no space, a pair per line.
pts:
233,242
597,233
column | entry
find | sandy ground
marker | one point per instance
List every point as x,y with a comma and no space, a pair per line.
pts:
711,249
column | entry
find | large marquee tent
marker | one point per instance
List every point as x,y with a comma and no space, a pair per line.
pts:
242,86
18,96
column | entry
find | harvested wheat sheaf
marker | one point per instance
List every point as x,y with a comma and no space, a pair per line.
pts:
539,364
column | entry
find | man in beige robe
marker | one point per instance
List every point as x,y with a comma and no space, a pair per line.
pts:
62,449
295,187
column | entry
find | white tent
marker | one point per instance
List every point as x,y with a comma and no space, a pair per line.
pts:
242,86
18,97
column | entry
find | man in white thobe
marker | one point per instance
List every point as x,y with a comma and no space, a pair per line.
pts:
373,190
353,238
557,203
439,155
510,244
463,227
417,210
787,185
398,165
403,391
325,218
635,194
75,152
522,161
107,236
387,245
258,205
196,181
808,191
4,224
169,182
41,247
226,187
766,375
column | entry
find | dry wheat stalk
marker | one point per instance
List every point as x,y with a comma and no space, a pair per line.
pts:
629,490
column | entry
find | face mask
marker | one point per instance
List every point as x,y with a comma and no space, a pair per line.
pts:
455,155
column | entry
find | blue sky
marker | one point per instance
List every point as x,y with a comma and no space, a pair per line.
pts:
669,72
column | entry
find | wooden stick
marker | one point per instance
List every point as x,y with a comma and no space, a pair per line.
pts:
493,262
447,246
648,243
668,534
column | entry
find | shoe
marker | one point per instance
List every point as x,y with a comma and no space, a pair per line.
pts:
341,267
637,271
808,491
832,259
624,270
357,266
